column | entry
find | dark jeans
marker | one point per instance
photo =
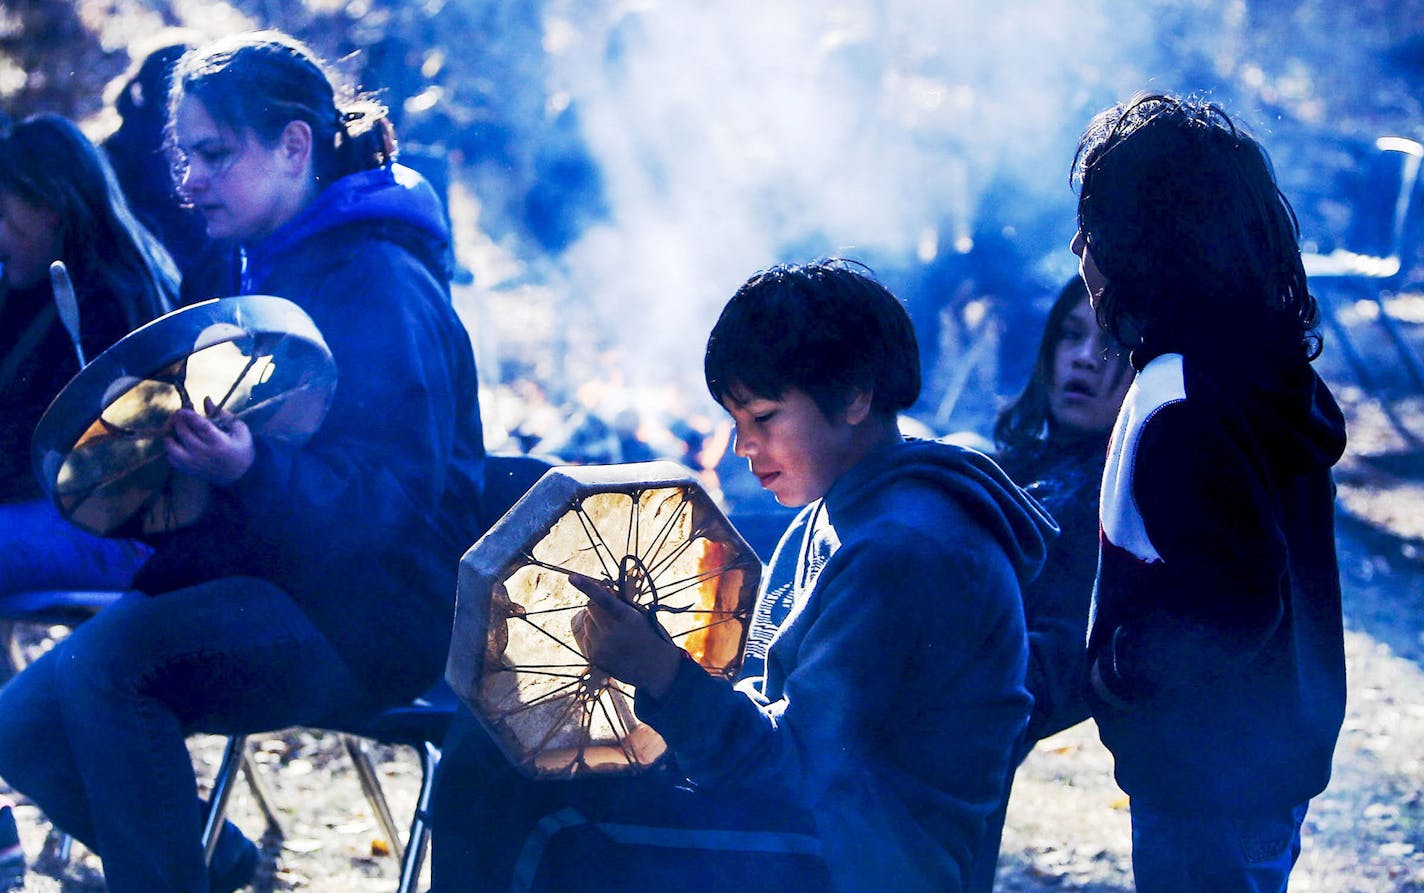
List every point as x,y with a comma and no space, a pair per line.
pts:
94,730
1188,852
494,830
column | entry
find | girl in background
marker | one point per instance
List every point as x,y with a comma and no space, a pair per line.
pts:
1053,440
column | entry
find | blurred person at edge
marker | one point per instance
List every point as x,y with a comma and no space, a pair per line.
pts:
138,148
59,201
1053,441
319,587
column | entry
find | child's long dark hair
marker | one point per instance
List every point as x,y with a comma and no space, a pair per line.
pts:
1026,418
1200,249
46,161
264,80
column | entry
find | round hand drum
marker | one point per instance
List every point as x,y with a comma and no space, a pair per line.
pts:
650,532
98,450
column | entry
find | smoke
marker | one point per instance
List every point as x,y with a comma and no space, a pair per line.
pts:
742,133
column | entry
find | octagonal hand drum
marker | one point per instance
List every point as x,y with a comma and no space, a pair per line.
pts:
98,450
650,532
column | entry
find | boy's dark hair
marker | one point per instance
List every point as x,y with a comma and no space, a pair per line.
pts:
826,328
1200,249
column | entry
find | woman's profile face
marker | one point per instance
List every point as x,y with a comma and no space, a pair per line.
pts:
236,182
1087,388
29,240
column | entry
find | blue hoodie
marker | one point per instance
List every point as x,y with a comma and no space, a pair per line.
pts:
894,690
365,524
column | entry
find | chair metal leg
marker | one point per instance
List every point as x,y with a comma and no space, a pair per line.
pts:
411,853
371,787
233,757
420,823
261,793
1401,344
1358,366
55,853
12,656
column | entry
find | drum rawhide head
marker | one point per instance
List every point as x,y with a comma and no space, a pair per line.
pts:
648,530
98,450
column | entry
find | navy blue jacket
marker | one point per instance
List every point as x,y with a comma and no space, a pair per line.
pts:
894,679
1216,624
365,524
1064,473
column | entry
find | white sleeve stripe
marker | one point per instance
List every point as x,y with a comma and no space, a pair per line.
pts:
1159,384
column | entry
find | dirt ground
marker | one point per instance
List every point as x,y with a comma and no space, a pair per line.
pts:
1068,825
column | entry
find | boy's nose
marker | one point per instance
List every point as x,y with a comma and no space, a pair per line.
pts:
1078,244
740,445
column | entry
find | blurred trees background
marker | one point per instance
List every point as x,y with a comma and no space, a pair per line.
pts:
472,76
586,164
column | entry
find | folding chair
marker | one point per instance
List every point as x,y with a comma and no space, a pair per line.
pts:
1374,262
421,724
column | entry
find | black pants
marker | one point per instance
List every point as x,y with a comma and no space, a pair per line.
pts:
496,830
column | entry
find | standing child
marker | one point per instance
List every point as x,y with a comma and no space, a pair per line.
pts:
1215,647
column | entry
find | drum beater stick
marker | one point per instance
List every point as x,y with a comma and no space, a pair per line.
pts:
68,306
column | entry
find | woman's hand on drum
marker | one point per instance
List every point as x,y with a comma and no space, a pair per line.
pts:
621,640
216,447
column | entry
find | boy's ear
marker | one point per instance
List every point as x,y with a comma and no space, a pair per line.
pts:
294,145
858,409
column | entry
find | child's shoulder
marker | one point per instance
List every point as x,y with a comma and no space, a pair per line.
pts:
1173,392
924,494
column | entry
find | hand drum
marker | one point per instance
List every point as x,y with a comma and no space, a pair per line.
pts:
650,532
98,450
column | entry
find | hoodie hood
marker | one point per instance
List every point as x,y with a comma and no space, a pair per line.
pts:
1297,420
963,476
393,194
1282,401
1286,405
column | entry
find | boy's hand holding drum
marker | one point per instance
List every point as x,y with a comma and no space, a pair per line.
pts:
623,641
